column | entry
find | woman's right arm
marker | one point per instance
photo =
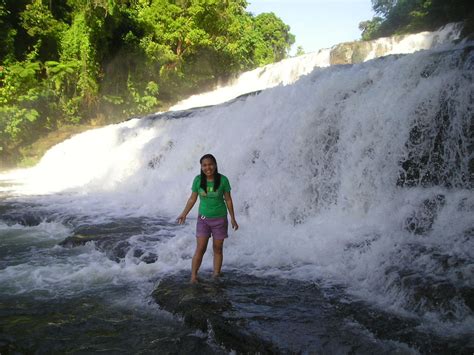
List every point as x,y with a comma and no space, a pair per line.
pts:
189,205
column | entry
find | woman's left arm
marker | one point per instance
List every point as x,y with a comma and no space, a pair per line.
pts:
230,207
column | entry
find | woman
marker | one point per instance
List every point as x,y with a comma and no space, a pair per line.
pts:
214,195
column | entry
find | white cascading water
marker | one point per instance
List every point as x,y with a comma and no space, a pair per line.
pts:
317,175
282,73
289,70
415,42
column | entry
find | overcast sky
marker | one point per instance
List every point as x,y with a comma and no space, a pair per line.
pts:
318,23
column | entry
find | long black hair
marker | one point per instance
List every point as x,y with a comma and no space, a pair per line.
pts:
217,176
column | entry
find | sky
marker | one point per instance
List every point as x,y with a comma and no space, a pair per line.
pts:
318,23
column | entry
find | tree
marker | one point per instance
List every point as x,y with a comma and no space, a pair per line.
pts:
409,16
370,28
300,51
383,7
63,62
276,38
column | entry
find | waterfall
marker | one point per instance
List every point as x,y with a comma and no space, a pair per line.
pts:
289,70
359,174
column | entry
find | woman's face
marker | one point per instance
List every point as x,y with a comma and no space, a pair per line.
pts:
208,167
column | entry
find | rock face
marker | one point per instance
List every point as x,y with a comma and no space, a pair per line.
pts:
350,53
248,315
113,238
360,51
25,214
77,240
205,306
420,222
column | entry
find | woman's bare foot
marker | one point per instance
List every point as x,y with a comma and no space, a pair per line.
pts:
194,280
216,276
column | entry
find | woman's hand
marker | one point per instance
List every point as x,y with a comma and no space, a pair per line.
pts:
230,207
235,226
181,219
189,205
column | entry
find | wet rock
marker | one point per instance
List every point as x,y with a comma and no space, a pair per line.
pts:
24,214
247,314
466,205
422,294
155,162
89,325
8,346
429,295
363,245
435,156
469,232
172,115
243,97
421,220
115,247
77,240
187,113
128,226
113,238
467,295
350,53
204,306
146,257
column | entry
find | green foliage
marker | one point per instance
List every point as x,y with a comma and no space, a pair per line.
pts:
409,16
370,28
77,46
64,62
20,90
276,38
143,102
38,20
300,51
383,7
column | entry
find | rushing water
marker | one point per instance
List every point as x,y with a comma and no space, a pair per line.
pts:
288,71
354,184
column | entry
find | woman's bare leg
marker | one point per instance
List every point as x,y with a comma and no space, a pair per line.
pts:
217,246
201,246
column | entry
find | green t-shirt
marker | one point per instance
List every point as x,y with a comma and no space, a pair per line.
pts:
211,204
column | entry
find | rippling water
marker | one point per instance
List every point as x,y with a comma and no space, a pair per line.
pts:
71,285
353,188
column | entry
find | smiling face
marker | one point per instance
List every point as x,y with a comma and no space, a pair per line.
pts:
208,168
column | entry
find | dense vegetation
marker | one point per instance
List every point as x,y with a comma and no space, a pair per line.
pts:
410,16
65,62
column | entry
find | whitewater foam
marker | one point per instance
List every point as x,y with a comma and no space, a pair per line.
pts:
290,70
316,176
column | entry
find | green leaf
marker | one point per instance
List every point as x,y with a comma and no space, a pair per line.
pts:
31,115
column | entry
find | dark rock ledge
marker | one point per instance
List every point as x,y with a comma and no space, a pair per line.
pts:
268,315
207,307
249,315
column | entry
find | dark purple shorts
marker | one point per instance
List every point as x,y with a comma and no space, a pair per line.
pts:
216,226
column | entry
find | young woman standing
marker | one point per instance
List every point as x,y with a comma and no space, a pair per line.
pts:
215,200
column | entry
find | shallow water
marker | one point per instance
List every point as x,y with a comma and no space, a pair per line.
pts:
90,323
99,292
57,299
353,189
